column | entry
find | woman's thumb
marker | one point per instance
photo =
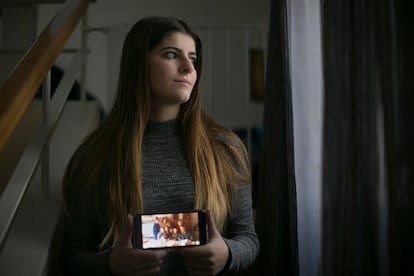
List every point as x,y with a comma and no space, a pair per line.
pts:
212,229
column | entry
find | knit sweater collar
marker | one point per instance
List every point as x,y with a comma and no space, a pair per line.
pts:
169,126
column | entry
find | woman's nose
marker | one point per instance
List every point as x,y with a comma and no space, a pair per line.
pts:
187,65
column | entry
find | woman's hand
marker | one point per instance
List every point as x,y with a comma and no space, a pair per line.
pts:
208,259
126,260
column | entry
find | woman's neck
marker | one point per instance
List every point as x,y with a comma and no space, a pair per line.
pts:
161,114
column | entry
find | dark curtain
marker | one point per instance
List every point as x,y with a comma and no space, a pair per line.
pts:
397,79
276,216
349,231
368,79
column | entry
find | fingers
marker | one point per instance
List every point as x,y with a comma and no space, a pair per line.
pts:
126,260
211,225
211,258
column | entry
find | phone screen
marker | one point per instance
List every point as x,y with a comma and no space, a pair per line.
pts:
165,230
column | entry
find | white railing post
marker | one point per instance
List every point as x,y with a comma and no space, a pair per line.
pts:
37,149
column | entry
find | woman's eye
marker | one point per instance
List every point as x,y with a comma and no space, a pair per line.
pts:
170,55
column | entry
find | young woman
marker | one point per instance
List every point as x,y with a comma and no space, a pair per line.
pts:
157,151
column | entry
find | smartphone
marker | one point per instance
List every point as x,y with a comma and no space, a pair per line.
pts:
173,229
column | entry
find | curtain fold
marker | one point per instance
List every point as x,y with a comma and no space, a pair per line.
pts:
276,211
369,108
350,145
397,79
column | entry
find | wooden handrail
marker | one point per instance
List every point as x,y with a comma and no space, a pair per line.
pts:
20,87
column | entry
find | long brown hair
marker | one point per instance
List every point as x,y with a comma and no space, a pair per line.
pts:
216,156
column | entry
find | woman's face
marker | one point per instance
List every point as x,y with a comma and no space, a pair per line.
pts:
172,74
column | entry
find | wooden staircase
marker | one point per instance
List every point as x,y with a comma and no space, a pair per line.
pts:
37,136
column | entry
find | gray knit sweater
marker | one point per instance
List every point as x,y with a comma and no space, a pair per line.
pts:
167,186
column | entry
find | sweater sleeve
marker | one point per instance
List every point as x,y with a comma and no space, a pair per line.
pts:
240,235
81,235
